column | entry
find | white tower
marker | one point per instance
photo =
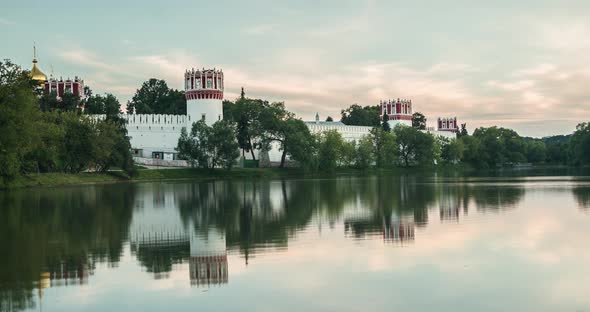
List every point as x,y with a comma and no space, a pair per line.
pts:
204,95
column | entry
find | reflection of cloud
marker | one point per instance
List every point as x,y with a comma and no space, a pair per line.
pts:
6,22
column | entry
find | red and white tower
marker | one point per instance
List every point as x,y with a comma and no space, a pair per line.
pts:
398,112
204,95
75,86
448,124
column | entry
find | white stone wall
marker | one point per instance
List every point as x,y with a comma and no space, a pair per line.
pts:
349,133
155,133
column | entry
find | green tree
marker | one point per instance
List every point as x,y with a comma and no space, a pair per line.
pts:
331,147
94,105
415,147
223,143
357,115
384,147
329,119
419,121
196,148
463,131
385,123
536,151
48,148
500,146
246,113
472,151
18,114
580,145
364,153
78,142
102,105
451,150
297,142
154,97
348,154
185,146
69,102
48,102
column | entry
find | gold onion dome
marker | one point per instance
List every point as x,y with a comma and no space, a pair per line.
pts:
36,73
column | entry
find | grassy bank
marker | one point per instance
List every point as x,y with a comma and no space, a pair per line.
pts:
59,179
145,175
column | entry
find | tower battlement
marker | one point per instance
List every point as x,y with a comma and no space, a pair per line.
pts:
203,84
447,124
397,111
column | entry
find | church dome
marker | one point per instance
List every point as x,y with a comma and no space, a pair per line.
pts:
37,74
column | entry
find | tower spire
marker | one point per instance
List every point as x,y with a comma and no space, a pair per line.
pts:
34,52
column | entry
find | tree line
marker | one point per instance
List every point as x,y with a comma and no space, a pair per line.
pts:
491,147
253,124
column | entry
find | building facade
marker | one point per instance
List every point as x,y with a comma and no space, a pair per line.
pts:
60,87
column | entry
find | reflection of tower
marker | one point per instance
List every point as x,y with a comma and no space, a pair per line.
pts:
204,95
208,259
449,209
399,229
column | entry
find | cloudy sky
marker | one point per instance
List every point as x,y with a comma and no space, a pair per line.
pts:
519,64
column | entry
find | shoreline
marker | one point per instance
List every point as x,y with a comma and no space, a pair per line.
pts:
194,174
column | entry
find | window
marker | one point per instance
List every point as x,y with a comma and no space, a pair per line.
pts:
218,117
209,83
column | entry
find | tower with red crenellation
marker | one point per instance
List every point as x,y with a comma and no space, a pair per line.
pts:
448,124
397,111
204,95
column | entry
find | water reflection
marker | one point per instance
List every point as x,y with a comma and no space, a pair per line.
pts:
582,195
56,237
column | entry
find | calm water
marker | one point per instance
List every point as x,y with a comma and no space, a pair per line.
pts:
344,244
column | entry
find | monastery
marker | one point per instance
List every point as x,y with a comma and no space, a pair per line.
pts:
154,137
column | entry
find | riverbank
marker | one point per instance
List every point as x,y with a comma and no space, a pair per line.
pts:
193,174
61,179
147,175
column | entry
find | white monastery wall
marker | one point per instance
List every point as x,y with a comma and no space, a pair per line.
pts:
155,133
349,133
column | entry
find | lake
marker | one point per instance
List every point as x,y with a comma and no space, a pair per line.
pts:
517,242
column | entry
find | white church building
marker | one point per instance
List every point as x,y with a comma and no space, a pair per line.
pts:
155,136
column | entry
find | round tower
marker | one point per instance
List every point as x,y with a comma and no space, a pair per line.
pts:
398,112
204,95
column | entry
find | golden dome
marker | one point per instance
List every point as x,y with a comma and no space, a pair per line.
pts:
36,73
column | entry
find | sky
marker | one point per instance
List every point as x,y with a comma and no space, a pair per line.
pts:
517,64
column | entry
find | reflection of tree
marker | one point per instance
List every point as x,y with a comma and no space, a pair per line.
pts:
60,234
582,195
495,197
158,259
393,205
